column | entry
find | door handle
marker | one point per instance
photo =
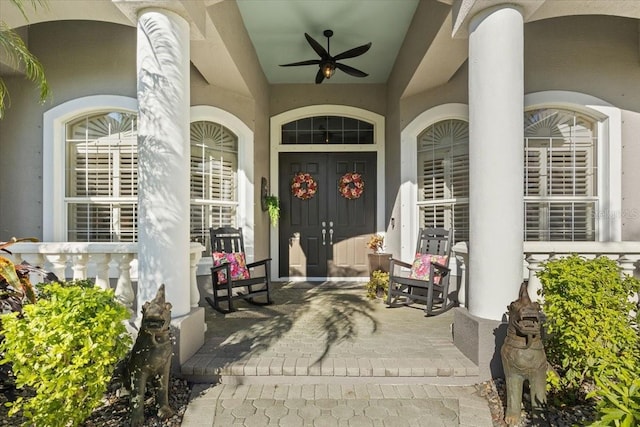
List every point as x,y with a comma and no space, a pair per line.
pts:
324,236
330,236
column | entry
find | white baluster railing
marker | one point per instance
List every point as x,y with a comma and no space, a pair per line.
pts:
74,260
626,254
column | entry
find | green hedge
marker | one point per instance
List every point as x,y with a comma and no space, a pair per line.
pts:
64,349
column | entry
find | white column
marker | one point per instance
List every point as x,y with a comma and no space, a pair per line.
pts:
163,162
496,106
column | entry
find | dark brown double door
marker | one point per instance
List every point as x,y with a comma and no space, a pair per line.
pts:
326,235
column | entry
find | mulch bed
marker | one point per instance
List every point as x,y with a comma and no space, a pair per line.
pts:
583,413
115,409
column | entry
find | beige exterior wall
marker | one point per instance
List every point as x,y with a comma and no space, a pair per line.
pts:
630,175
597,55
80,58
594,55
287,97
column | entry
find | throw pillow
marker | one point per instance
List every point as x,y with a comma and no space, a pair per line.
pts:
422,266
237,265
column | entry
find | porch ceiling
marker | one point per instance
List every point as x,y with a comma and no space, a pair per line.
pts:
277,28
423,41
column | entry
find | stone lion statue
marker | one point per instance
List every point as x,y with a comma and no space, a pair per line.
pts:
150,359
523,358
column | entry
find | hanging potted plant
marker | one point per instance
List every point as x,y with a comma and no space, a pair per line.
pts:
273,207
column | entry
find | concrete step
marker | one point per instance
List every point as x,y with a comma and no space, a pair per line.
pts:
337,405
271,370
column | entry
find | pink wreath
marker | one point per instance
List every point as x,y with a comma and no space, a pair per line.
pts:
303,186
351,185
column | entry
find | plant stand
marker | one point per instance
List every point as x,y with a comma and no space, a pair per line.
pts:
379,262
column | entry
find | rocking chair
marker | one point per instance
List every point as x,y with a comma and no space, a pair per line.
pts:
427,278
230,271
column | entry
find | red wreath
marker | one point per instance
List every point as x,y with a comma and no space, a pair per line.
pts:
303,186
351,185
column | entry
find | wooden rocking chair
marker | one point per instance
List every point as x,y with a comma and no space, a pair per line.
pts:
230,271
427,278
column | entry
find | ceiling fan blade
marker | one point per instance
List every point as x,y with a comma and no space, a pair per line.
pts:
317,47
309,62
351,53
351,71
319,77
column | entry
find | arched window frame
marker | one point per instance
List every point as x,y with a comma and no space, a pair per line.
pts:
609,158
55,120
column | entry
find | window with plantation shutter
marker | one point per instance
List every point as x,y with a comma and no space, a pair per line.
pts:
443,177
214,165
101,178
560,191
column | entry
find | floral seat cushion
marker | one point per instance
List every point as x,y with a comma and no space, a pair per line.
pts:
238,265
421,266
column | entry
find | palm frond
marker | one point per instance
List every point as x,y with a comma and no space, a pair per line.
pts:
34,3
18,55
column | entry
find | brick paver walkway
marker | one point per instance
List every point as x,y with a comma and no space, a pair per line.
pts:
327,356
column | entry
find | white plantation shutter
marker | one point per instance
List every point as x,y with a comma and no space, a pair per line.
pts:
214,165
560,176
443,177
101,178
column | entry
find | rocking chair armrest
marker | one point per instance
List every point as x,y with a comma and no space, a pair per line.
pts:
222,266
400,263
257,263
443,268
216,268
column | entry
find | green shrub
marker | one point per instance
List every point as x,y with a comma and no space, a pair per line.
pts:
619,399
64,349
589,330
378,285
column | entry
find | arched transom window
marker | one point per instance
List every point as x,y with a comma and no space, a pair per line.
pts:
327,130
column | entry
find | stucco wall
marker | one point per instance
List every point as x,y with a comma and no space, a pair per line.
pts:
287,97
80,58
630,176
593,55
597,55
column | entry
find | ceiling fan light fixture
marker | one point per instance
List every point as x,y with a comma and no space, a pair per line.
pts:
328,69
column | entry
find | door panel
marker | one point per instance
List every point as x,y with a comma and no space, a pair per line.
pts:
304,250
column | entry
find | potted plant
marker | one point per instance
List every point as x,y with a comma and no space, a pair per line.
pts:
273,207
378,260
376,243
378,285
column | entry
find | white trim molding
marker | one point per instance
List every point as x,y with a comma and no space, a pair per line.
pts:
53,151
